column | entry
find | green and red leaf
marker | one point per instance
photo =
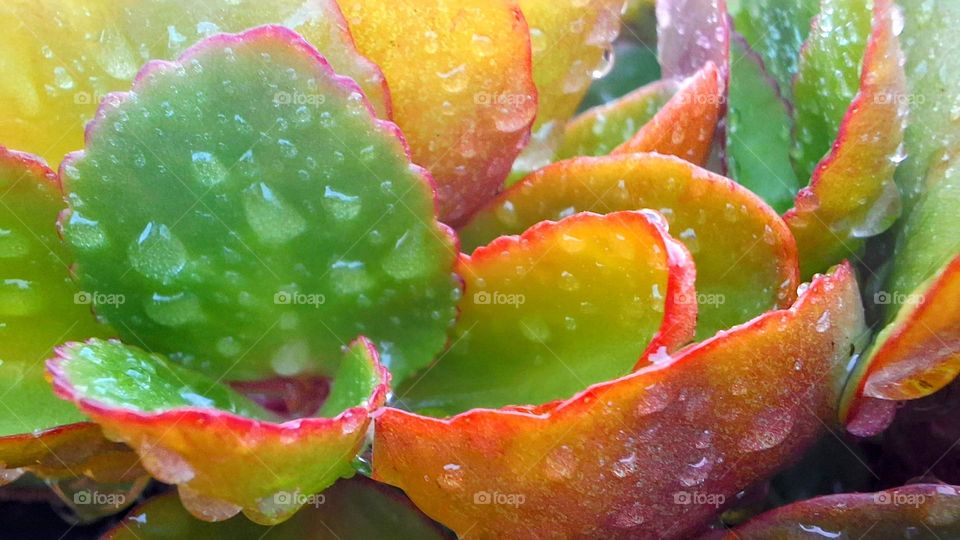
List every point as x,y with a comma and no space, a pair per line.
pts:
196,432
60,59
460,79
852,194
355,509
623,458
685,126
564,305
273,231
745,256
597,131
921,511
918,352
571,40
40,307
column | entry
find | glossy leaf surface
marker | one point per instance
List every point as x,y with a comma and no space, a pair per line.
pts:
273,231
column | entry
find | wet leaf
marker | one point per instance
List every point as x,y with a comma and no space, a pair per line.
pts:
852,195
745,256
270,232
40,307
462,89
758,136
655,453
355,509
776,30
572,43
685,126
921,511
933,78
597,131
61,59
564,305
196,432
918,352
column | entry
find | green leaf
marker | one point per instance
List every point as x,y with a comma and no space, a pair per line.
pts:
565,305
254,216
828,78
40,307
758,134
356,509
933,78
195,431
776,30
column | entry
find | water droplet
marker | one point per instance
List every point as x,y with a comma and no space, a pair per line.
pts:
405,261
535,329
272,220
291,359
165,464
696,473
770,428
654,398
207,508
451,479
625,466
13,245
157,254
174,310
340,206
207,169
349,277
560,464
62,78
823,323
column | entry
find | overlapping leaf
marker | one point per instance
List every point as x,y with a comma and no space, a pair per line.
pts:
572,41
531,301
39,308
273,231
852,194
196,432
60,59
685,126
356,509
758,135
597,131
745,256
461,84
633,457
918,352
921,511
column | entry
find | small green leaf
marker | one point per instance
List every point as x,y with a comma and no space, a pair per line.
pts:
196,432
253,216
758,131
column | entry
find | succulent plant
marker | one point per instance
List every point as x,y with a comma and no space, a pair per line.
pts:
417,269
